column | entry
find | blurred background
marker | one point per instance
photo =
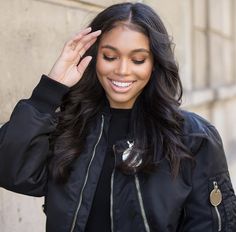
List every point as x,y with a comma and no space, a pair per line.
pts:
32,33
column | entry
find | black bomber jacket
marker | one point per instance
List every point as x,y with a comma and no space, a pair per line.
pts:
153,202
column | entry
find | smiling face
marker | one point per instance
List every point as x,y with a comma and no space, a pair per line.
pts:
124,65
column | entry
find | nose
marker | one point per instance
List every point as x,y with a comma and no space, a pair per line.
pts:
123,68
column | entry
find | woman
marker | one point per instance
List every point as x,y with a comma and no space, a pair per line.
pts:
119,154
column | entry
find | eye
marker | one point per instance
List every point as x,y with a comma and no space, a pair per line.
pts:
138,61
108,58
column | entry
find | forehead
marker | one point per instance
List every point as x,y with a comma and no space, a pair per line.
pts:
123,37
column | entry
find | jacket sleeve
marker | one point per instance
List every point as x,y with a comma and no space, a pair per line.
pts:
24,139
210,174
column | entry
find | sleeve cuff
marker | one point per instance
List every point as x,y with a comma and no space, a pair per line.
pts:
47,95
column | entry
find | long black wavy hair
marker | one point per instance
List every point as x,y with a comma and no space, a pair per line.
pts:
157,120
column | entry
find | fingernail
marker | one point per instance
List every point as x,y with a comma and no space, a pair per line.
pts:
98,32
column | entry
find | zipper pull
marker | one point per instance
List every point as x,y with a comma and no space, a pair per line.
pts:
216,199
215,195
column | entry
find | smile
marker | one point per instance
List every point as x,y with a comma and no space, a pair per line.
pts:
121,84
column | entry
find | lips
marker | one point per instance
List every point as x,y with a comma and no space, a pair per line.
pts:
121,84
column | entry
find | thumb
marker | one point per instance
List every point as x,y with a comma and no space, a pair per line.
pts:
83,64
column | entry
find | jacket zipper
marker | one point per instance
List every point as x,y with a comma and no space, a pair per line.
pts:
147,228
86,178
216,188
219,218
111,196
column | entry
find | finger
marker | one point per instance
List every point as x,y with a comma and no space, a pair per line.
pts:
84,49
78,36
79,42
80,33
86,39
83,32
83,65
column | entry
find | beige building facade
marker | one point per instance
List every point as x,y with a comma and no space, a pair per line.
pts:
32,33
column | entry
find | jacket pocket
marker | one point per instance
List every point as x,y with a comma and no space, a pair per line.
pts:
223,203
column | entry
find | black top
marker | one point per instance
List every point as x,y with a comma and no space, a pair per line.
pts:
99,218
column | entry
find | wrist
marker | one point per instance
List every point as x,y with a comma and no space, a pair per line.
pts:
48,94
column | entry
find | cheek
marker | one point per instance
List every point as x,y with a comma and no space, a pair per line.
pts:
102,70
99,66
102,67
144,73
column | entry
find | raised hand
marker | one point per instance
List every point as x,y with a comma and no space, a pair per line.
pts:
69,66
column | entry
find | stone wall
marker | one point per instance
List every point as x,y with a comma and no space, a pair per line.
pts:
33,32
205,35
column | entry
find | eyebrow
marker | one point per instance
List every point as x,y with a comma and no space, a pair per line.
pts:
133,51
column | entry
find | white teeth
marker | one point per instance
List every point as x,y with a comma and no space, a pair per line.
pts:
121,84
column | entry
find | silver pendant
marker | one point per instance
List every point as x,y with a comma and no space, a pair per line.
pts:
127,151
136,160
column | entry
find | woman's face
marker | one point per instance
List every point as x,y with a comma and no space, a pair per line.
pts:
124,65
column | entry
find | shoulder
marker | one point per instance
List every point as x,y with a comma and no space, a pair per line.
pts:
193,123
205,144
197,131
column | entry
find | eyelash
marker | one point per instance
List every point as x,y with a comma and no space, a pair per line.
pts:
110,59
138,61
